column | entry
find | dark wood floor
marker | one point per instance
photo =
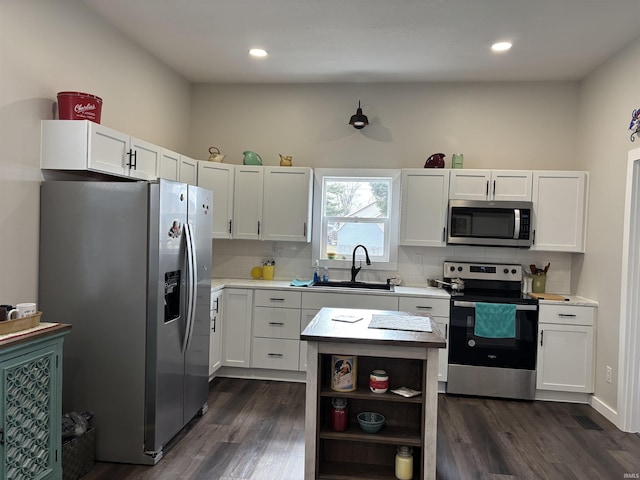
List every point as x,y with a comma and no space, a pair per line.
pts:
254,430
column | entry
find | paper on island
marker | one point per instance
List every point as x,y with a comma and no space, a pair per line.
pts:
401,322
347,318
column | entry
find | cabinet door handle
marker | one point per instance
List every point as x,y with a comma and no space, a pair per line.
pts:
444,234
229,227
258,227
486,193
423,307
533,241
541,336
280,324
446,331
273,299
213,323
217,306
494,188
278,355
568,315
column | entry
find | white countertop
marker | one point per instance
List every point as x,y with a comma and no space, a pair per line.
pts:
570,300
402,291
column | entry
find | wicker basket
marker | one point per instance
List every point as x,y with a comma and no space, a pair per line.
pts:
78,455
18,324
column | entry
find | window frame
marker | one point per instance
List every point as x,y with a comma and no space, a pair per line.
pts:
393,222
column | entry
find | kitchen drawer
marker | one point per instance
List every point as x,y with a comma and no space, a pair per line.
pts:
315,301
277,298
567,314
436,307
276,322
275,353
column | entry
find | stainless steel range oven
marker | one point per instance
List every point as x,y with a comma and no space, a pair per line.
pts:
493,331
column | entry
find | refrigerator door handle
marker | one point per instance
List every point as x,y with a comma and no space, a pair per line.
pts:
191,281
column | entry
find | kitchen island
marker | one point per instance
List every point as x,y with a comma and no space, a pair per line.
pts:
411,360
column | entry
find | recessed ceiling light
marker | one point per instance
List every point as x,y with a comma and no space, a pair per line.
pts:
501,46
258,52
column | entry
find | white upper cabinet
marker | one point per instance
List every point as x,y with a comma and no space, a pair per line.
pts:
425,194
188,170
177,167
272,203
559,210
497,185
287,208
169,165
247,202
83,145
219,178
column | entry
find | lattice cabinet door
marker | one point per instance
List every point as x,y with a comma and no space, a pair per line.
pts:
30,412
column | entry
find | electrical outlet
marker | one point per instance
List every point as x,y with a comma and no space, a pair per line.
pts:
609,373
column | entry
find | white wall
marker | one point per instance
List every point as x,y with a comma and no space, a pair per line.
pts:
50,46
495,125
607,98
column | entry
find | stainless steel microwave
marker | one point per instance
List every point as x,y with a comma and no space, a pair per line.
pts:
485,223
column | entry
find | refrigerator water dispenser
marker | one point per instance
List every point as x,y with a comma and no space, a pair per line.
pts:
171,295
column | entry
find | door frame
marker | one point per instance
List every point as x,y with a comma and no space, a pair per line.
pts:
629,353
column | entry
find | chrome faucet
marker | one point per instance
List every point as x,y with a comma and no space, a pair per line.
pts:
354,270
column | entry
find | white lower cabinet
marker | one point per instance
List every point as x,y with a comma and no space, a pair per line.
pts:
215,338
236,330
438,308
566,348
276,329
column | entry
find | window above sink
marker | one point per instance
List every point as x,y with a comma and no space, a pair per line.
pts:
356,206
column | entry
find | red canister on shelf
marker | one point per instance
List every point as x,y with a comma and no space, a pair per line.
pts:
378,381
339,414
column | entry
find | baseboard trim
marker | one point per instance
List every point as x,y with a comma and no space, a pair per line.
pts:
605,410
260,374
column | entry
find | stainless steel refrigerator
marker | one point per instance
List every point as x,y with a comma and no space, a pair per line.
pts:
127,264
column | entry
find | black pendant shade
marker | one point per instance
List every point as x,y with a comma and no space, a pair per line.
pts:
359,120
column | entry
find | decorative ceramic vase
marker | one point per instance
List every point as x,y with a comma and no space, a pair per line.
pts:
251,158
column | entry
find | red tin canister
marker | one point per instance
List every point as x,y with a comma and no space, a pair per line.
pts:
79,106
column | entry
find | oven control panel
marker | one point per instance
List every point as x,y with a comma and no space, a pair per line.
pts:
483,271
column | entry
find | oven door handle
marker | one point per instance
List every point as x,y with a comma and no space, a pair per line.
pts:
460,303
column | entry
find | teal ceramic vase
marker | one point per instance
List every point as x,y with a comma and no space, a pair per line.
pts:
251,158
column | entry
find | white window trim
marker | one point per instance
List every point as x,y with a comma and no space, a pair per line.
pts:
394,212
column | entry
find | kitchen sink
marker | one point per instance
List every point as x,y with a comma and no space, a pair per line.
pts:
361,285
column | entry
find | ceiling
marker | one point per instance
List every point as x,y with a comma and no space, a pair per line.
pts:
334,41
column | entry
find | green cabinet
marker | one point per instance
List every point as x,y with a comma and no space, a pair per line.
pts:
31,408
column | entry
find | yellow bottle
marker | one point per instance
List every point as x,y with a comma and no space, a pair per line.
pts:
404,463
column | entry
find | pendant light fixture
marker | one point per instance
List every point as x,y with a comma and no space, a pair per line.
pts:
359,120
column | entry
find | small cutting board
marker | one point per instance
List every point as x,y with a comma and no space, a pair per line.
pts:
547,296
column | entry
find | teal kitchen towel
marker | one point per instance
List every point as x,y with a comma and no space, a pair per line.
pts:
495,320
301,283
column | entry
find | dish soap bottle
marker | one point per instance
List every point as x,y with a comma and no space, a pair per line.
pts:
316,272
325,276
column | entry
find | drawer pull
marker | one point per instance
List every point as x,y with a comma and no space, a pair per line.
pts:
570,315
423,307
272,299
279,324
275,355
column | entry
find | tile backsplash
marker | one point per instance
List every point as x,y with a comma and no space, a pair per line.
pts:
236,258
